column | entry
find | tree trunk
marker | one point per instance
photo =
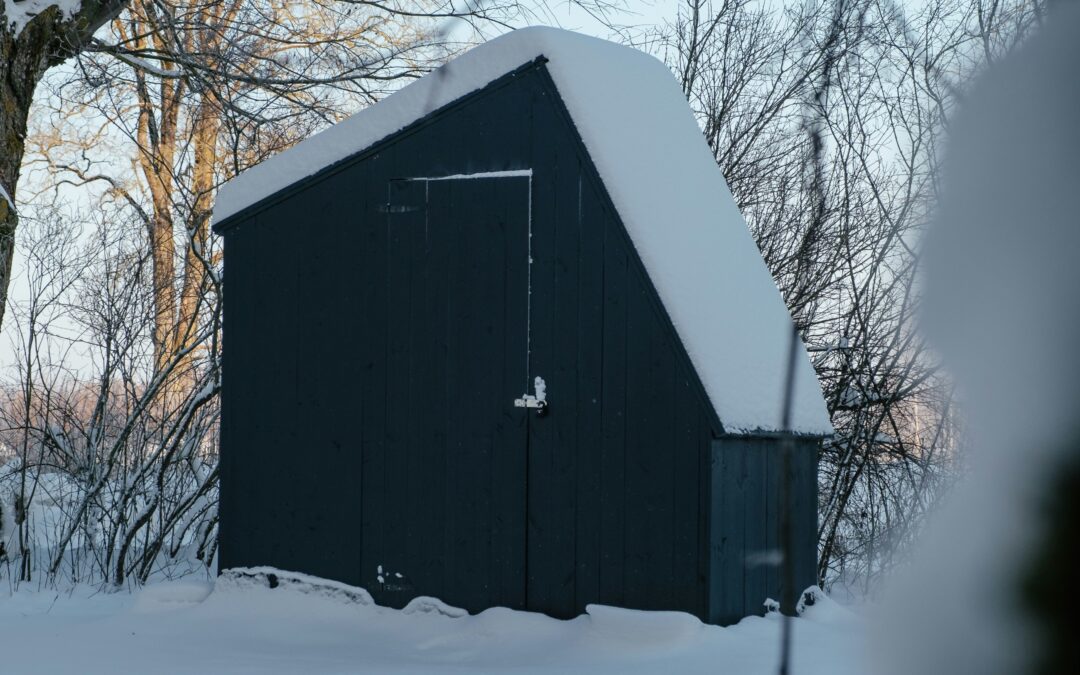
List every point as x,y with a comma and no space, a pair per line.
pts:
207,125
45,40
23,60
158,140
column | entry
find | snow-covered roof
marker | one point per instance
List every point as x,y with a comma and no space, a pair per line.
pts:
649,151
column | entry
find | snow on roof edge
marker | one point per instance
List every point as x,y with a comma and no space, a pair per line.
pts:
362,130
662,178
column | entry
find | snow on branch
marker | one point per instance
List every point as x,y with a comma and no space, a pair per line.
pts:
18,14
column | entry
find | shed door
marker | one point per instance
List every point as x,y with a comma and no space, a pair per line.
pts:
454,500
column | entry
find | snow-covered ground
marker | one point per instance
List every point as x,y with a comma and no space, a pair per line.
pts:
245,627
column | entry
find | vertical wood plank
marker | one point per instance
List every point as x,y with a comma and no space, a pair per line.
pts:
649,481
590,328
774,469
729,488
687,589
553,442
510,468
755,584
613,422
543,537
402,262
483,495
367,323
804,513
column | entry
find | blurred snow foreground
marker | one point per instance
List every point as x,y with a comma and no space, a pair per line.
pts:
269,621
993,589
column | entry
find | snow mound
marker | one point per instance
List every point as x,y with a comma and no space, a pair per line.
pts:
664,182
246,627
427,605
643,628
239,579
814,605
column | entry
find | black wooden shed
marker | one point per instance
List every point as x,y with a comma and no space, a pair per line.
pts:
504,339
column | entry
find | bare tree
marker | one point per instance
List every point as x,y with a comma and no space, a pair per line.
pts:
201,90
827,121
111,479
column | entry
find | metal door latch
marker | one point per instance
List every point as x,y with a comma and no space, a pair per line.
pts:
529,401
539,401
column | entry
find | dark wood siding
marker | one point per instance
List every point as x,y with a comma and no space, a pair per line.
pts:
747,488
358,335
447,497
615,468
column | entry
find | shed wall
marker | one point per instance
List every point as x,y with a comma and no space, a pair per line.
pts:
622,482
748,499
